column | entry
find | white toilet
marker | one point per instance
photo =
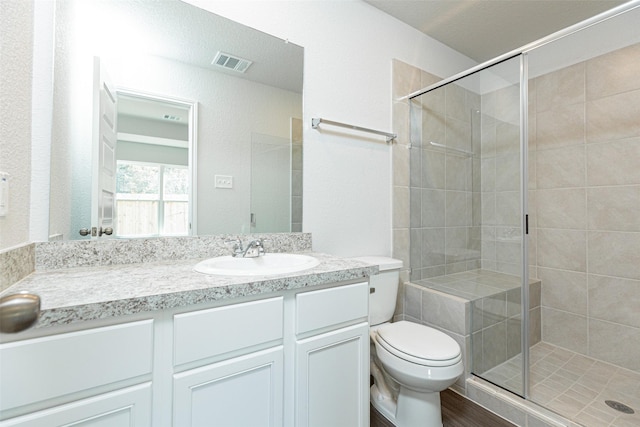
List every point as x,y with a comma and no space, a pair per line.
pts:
418,362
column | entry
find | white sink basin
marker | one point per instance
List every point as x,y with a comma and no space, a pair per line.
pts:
269,264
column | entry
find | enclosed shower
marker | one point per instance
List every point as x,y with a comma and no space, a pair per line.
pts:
524,201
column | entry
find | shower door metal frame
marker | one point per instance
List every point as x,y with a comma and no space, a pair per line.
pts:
524,218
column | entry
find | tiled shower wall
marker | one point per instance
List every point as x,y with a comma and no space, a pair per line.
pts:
585,204
406,79
444,183
500,180
458,212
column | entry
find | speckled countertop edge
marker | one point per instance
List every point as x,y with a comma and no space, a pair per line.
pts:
89,293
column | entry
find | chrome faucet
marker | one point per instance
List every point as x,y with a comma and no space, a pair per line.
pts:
236,247
254,249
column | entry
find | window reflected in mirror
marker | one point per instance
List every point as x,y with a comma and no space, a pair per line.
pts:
151,199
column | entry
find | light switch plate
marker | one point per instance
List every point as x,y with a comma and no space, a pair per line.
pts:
223,181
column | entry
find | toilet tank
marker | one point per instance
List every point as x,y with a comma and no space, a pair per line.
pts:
383,288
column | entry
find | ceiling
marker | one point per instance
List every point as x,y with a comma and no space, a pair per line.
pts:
485,29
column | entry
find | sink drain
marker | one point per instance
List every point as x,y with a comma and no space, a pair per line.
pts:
619,406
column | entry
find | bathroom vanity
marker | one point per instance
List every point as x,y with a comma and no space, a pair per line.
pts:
157,344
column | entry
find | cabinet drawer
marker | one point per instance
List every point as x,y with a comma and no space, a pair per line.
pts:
216,331
333,306
126,407
44,368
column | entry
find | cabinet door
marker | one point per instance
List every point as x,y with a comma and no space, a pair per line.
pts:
332,378
244,391
127,407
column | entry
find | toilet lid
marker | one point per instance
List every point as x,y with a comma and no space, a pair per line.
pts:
419,344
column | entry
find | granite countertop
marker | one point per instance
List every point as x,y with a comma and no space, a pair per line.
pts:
87,293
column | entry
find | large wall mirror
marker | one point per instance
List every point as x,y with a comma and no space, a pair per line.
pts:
171,120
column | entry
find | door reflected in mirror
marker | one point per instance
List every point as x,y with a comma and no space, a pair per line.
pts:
153,174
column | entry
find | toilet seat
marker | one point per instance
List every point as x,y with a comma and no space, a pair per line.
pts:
419,344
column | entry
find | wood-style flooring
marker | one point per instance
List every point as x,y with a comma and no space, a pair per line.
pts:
457,411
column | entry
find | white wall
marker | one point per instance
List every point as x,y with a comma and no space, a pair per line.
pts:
348,46
16,37
137,152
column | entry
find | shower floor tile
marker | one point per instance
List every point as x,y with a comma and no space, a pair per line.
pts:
575,386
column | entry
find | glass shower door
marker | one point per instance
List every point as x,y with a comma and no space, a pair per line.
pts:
498,321
467,211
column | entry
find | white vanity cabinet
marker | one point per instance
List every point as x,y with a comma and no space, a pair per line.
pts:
318,346
289,358
332,357
82,377
245,387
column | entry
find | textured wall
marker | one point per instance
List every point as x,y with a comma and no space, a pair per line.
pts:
16,38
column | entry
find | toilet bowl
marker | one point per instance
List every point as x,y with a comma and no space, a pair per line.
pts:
423,362
410,363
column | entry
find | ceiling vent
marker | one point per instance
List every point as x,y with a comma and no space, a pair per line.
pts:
231,62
